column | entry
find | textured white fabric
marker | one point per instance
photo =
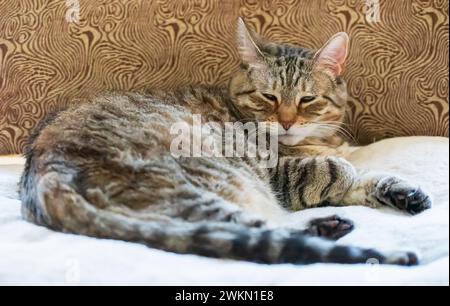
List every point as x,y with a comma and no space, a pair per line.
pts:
34,255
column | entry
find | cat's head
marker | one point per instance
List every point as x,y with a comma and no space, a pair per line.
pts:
299,92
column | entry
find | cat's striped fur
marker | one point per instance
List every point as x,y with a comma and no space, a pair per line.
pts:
104,168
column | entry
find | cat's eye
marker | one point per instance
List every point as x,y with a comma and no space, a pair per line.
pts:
270,97
307,99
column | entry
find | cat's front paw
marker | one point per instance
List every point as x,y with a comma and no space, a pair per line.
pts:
396,192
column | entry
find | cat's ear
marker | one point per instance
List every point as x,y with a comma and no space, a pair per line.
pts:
249,51
333,55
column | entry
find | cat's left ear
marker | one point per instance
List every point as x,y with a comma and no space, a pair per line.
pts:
333,55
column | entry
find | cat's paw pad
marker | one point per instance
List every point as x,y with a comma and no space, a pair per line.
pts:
404,196
332,227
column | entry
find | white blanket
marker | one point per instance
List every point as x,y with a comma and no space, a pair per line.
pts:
34,255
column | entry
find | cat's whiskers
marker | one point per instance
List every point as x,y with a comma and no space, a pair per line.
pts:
335,126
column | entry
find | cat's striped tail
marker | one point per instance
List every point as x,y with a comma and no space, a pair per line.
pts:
53,202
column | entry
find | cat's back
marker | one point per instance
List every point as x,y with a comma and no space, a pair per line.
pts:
121,121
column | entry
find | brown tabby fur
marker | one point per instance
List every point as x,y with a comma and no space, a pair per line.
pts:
104,168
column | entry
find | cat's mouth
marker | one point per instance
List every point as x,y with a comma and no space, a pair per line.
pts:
295,134
290,140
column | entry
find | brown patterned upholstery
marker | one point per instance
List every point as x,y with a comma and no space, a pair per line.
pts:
397,73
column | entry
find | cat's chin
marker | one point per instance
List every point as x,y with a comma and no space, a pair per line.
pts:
290,140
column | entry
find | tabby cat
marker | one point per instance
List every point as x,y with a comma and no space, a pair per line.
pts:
104,168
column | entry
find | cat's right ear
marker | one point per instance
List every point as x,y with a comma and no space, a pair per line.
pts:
250,54
333,55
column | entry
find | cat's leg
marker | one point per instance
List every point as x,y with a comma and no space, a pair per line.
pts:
321,181
302,183
213,208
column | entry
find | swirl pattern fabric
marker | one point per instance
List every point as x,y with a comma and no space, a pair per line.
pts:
52,51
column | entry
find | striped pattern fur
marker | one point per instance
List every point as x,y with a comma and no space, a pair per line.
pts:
104,168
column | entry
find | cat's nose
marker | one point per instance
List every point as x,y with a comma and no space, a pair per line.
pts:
287,125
